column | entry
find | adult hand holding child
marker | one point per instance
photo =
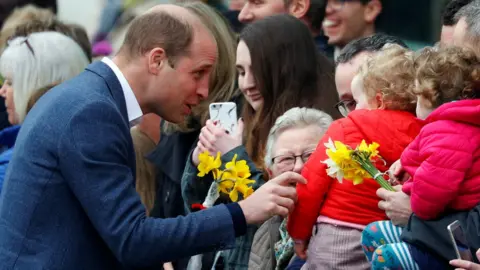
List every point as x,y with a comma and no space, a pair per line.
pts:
395,204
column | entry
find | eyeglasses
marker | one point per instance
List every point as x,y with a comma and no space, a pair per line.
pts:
23,40
287,162
337,5
346,106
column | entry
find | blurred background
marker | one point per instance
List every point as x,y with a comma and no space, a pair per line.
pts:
416,21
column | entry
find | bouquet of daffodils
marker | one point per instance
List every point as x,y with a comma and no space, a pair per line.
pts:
356,164
232,180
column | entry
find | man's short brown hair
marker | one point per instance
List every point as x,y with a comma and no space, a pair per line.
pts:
75,32
158,29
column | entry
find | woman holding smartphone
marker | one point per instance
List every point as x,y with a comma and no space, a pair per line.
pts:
277,70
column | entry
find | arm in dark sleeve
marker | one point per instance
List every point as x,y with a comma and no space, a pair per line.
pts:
94,159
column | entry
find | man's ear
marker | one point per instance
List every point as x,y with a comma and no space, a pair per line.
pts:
298,8
372,10
157,60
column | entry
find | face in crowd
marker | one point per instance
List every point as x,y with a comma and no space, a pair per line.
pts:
292,149
183,81
344,74
347,20
7,93
246,79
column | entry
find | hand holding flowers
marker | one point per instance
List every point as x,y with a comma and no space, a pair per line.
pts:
232,180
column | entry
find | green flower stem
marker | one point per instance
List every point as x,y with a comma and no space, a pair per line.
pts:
372,170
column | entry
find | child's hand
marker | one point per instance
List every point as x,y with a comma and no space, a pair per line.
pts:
397,174
466,265
301,249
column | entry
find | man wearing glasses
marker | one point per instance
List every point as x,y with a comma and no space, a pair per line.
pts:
350,60
347,20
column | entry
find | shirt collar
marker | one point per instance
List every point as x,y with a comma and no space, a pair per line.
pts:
133,108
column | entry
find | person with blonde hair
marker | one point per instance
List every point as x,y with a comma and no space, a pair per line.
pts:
443,161
20,16
383,91
31,65
73,31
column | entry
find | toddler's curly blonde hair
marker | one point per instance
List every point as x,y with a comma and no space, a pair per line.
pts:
447,74
391,73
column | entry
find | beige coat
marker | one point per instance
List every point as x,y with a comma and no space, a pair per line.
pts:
262,254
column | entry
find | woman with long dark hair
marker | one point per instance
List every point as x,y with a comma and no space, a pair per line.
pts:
278,69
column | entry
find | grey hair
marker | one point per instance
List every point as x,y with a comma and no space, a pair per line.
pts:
471,14
39,60
295,118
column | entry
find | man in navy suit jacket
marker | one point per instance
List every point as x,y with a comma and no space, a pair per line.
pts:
69,200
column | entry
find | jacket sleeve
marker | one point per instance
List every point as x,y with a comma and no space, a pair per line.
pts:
444,159
311,195
195,189
95,158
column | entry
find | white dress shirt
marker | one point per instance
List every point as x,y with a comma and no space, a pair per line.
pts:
133,108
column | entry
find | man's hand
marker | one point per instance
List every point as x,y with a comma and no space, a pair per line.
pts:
301,250
276,197
396,205
466,265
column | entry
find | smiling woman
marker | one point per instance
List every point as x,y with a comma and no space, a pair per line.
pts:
276,72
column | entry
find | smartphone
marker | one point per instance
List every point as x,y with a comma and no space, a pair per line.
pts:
225,113
459,241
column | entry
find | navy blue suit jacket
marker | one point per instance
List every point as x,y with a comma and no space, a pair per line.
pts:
69,200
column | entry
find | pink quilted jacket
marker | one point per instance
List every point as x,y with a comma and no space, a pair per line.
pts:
444,161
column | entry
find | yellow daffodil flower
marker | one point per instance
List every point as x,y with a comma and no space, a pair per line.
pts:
241,185
232,180
370,149
208,163
354,165
237,169
226,185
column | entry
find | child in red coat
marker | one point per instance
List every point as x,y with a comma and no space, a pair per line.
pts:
383,90
444,160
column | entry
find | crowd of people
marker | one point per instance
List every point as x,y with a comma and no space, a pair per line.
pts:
101,162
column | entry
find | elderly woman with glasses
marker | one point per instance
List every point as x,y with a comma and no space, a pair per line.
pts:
31,66
291,141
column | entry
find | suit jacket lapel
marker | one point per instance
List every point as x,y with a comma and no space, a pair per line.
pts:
114,86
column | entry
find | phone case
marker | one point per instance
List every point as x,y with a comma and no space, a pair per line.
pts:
459,241
225,113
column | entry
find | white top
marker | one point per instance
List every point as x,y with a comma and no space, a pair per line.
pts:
133,108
